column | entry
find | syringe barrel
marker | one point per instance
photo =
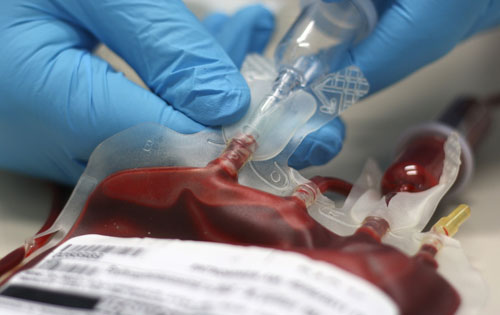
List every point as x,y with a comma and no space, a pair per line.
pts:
318,40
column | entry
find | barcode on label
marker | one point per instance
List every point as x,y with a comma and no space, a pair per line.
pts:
104,249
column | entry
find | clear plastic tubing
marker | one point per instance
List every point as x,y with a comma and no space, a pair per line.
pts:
315,45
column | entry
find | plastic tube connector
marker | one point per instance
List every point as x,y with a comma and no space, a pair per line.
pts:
315,45
450,224
433,241
374,226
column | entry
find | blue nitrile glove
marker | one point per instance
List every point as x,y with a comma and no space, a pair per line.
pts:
232,32
413,33
58,101
319,147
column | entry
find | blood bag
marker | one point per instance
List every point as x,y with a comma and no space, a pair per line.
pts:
207,204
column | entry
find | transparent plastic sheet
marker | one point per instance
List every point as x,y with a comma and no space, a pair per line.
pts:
304,111
146,145
408,214
456,268
326,98
149,146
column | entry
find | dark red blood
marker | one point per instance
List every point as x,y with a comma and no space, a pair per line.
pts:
208,204
414,286
426,255
332,185
204,204
14,258
417,168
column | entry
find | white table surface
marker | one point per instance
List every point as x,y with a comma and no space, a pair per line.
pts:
372,128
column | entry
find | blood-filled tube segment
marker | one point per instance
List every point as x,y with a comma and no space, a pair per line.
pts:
419,163
376,227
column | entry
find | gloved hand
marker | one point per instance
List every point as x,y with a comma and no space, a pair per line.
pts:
413,33
58,101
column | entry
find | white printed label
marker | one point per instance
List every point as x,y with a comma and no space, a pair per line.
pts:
95,274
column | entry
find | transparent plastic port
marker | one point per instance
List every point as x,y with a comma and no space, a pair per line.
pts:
318,40
315,45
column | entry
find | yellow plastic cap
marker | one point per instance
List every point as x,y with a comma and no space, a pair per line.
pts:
449,225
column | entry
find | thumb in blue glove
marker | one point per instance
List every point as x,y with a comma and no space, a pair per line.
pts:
58,101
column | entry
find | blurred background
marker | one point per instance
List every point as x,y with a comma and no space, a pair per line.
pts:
373,127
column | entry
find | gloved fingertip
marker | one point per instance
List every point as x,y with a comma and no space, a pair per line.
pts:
261,23
263,28
297,162
349,59
315,153
322,152
319,147
258,13
376,81
222,100
234,104
241,101
248,31
179,122
214,22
